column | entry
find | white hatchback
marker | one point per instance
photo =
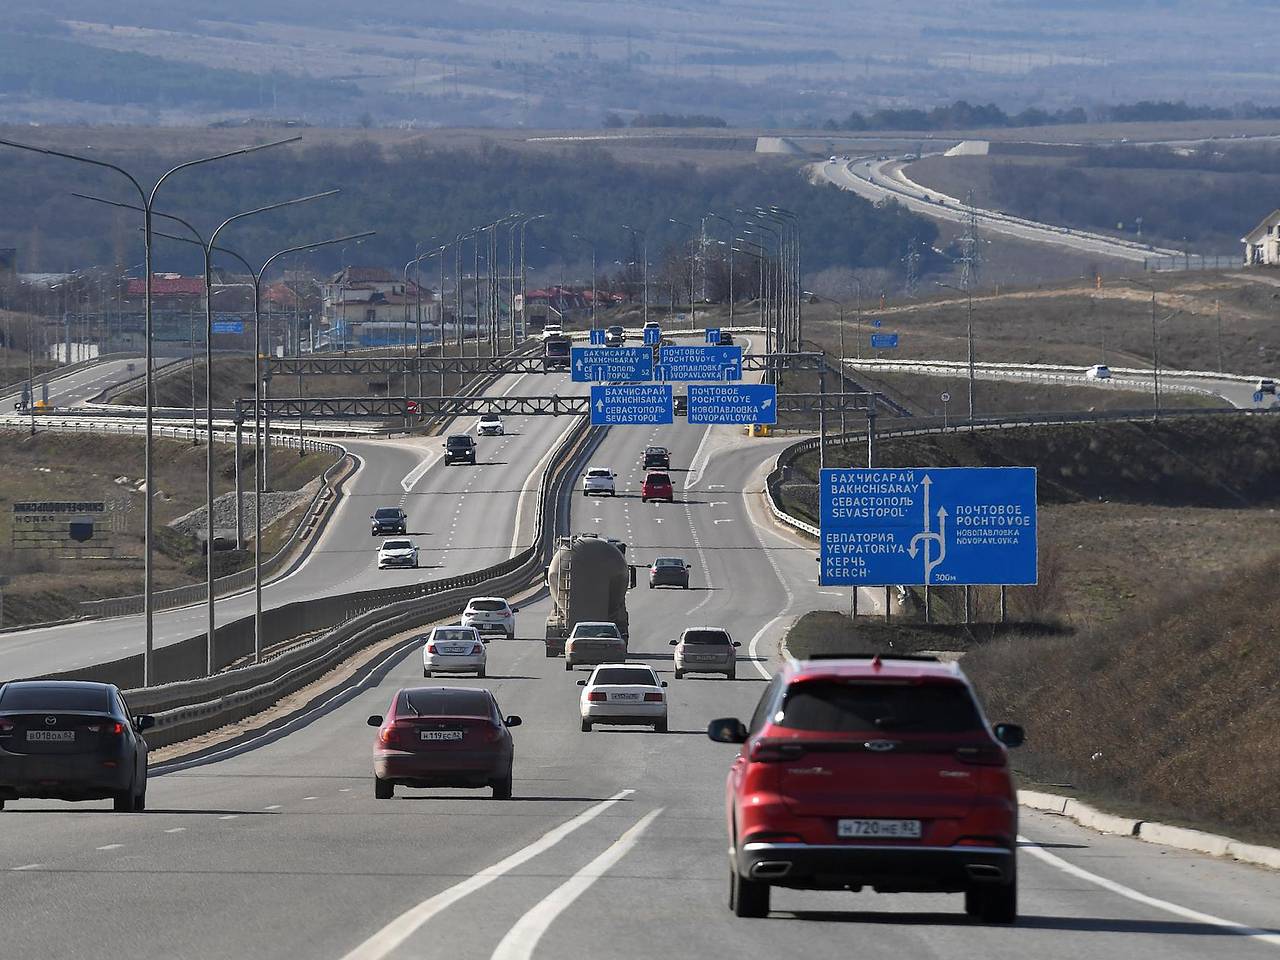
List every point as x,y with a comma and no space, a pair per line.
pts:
490,615
598,480
625,694
1098,372
552,330
454,649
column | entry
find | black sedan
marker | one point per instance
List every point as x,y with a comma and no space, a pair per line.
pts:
669,572
71,740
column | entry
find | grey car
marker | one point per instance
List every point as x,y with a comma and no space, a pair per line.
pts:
71,740
706,650
669,572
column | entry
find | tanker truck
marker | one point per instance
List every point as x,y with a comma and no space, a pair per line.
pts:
588,580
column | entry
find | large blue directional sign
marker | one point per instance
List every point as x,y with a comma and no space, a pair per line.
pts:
733,403
652,336
611,364
613,405
228,326
597,338
928,525
701,362
884,341
713,335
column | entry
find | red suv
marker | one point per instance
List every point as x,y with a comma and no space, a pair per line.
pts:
876,772
657,486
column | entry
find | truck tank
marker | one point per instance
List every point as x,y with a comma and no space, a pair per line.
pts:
588,579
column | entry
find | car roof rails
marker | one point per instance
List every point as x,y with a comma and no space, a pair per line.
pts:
873,654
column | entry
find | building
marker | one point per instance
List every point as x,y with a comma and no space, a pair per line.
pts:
367,306
1262,243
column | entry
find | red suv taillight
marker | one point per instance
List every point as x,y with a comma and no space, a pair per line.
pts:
597,696
772,751
981,755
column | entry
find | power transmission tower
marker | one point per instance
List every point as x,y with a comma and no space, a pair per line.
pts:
912,260
970,254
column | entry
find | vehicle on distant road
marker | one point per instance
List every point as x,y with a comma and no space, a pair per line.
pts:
706,650
387,520
593,642
669,572
872,771
398,553
656,458
459,448
587,580
833,159
623,694
615,336
455,649
443,737
489,425
1098,372
71,740
1266,385
657,486
488,615
599,480
552,328
680,405
726,338
556,351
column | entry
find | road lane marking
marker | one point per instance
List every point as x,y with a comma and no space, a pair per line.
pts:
176,830
111,846
230,816
1185,912
522,939
274,806
417,473
27,866
403,927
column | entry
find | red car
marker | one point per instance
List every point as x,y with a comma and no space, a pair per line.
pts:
657,486
443,737
876,772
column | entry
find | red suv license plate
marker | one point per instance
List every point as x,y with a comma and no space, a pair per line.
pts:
878,829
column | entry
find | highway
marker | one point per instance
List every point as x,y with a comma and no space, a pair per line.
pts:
877,180
615,843
76,388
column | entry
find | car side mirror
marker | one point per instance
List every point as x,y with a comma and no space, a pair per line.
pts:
374,721
1010,734
582,683
688,566
727,730
513,721
663,683
673,643
144,722
484,639
737,643
515,609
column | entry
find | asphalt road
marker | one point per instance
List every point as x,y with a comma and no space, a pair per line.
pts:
615,843
462,518
85,384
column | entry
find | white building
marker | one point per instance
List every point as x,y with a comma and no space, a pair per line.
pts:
1262,243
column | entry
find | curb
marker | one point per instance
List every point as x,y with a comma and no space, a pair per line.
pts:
1182,838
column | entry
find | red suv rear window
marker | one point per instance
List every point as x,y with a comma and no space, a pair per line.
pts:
844,707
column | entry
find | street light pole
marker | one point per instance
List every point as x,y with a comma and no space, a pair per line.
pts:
967,290
732,234
592,245
693,279
644,238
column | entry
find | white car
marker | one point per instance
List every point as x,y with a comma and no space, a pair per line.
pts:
833,159
454,650
1265,386
1098,372
488,615
598,480
652,325
623,693
706,650
489,425
397,553
551,330
593,641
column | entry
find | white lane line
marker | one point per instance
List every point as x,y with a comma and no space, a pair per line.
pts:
310,798
1185,912
535,477
27,866
522,939
111,846
274,806
753,648
176,830
230,816
417,473
403,927
699,462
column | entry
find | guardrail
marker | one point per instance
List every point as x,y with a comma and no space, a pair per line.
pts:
1055,367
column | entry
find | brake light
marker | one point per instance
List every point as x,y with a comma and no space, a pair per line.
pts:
982,756
597,696
386,735
431,648
653,698
773,751
6,727
493,733
477,649
110,729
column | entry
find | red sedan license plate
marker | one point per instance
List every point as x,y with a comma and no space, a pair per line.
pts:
440,734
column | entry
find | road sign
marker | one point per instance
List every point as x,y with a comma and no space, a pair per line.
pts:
733,403
713,335
884,341
597,338
611,364
411,407
928,525
876,323
701,362
228,326
1257,396
946,398
614,405
652,336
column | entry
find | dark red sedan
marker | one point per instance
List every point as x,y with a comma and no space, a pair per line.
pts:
657,486
443,737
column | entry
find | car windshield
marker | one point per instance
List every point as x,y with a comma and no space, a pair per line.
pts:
619,675
843,707
448,636
708,638
488,605
54,697
598,473
398,545
595,630
387,513
656,451
459,441
445,702
668,562
489,418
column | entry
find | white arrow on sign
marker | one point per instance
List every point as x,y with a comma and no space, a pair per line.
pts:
600,406
767,404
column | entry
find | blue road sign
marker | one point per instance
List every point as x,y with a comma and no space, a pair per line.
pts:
733,403
876,323
884,341
228,326
928,525
652,336
713,335
701,362
1257,396
597,338
611,364
614,405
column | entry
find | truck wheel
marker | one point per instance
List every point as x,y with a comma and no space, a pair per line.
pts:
679,674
